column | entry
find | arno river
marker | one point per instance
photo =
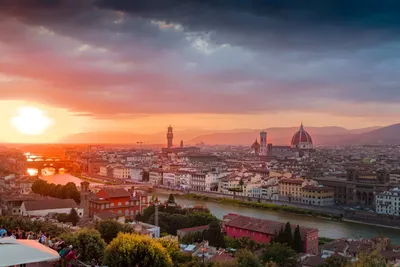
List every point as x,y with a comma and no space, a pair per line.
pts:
327,228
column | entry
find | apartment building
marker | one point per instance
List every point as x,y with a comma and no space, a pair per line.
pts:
388,202
290,189
318,195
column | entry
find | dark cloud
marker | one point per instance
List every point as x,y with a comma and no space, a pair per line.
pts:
279,54
339,24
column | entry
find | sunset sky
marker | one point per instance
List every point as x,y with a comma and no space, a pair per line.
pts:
124,65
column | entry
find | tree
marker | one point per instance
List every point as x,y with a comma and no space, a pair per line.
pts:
245,258
136,250
62,217
171,245
297,243
231,242
88,242
214,235
191,238
271,264
335,261
369,260
147,212
281,254
241,183
68,191
73,217
288,237
109,229
279,237
28,225
171,200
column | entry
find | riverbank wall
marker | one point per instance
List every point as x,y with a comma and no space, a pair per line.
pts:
334,213
372,224
257,203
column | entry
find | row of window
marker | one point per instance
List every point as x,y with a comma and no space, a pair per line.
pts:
102,206
246,231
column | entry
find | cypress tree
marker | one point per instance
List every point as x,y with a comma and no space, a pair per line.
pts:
297,243
288,237
281,236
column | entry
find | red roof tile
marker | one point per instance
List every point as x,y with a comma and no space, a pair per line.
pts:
262,226
192,229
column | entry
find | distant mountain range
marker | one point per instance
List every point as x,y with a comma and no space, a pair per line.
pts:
279,136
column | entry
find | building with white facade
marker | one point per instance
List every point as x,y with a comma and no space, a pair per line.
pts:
388,202
228,183
45,207
184,179
121,173
199,182
150,230
395,178
155,177
169,179
270,192
103,171
136,174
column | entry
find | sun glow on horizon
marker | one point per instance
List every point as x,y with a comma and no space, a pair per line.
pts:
31,121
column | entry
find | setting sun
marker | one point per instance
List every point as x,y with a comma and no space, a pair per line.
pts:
31,121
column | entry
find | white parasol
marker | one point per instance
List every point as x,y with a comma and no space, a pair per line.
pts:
21,251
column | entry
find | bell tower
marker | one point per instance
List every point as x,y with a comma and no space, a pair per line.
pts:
170,137
85,198
263,143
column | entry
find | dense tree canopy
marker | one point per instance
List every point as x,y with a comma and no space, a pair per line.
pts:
246,258
88,242
26,224
368,260
68,191
136,250
109,229
170,223
335,261
282,254
214,235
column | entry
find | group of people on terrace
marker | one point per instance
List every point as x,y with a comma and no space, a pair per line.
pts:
67,253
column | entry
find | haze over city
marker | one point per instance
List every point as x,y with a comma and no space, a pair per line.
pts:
121,66
202,133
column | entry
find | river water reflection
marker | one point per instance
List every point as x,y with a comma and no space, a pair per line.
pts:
327,228
62,178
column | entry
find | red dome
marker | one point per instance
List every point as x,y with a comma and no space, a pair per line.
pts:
301,137
255,145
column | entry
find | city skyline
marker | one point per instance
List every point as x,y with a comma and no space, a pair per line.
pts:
121,66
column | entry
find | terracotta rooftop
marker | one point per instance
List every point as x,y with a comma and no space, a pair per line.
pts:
313,261
291,181
50,204
197,228
339,246
260,225
116,192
